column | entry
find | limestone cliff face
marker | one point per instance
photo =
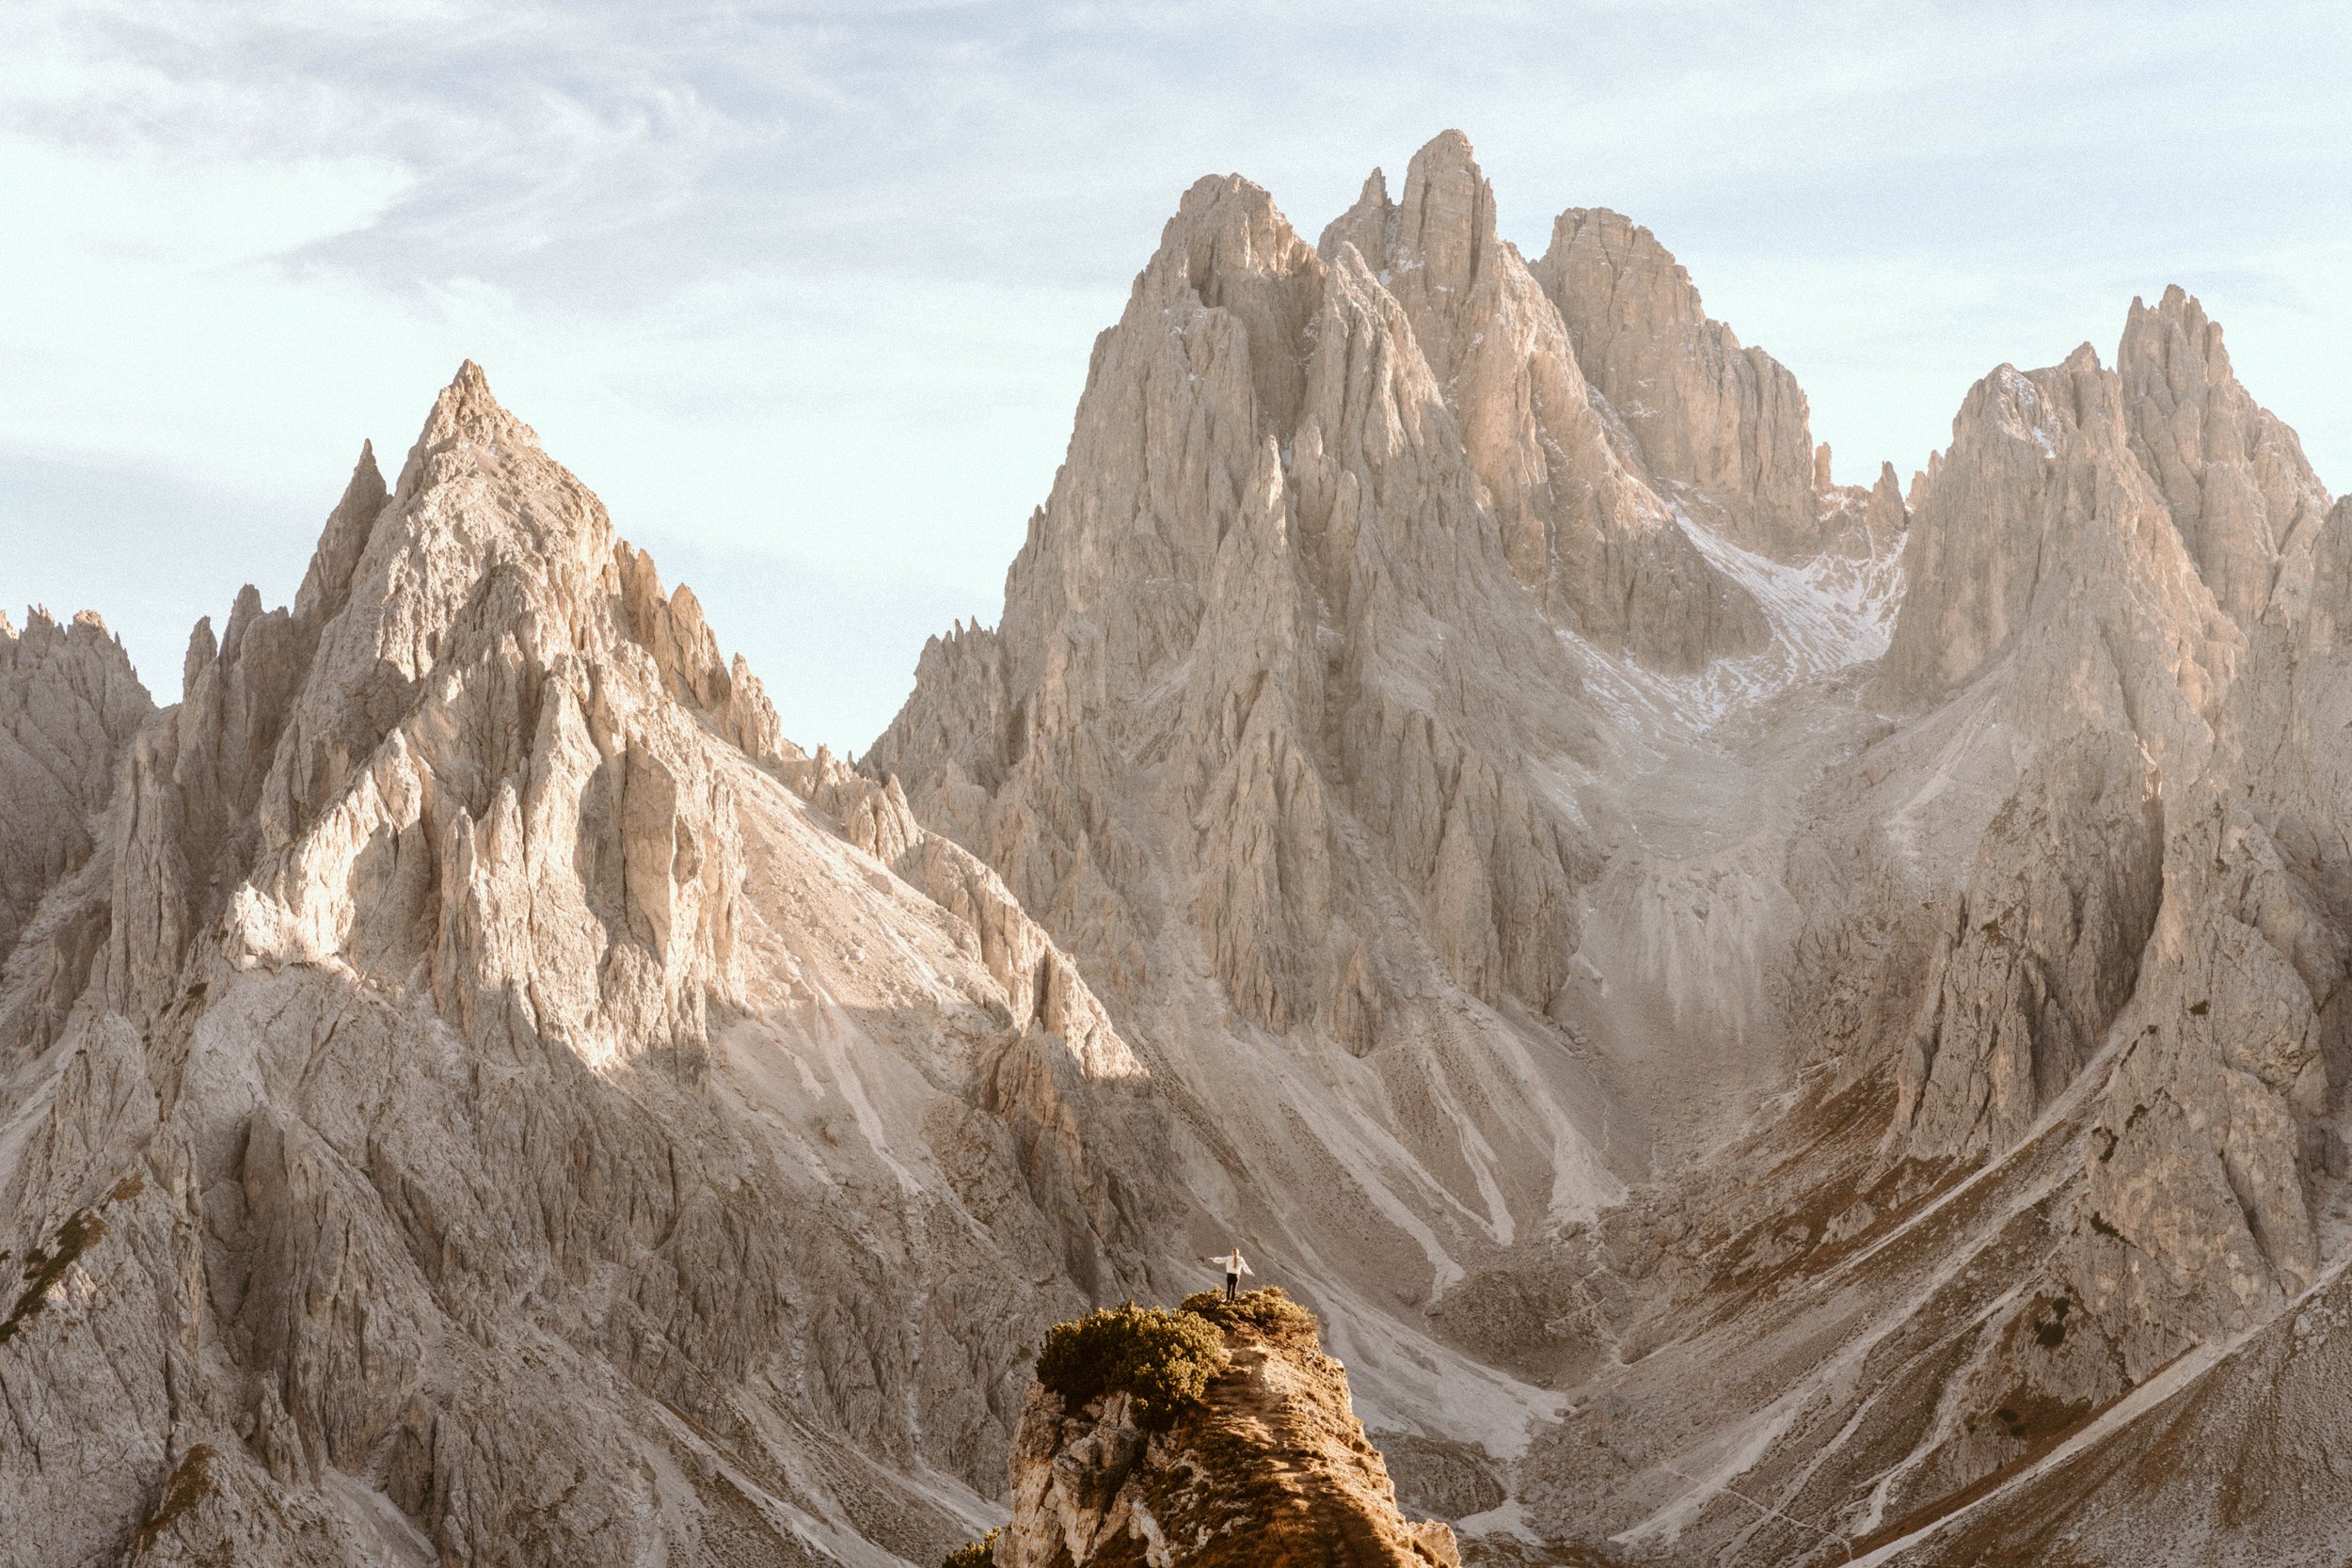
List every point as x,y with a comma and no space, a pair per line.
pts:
69,706
2061,902
1598,545
1272,1469
1724,424
2242,498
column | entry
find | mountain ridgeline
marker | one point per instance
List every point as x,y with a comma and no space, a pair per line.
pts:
1774,1022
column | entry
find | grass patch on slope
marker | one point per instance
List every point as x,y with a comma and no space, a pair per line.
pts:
1267,1313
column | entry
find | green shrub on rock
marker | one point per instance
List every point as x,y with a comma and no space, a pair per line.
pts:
1164,1359
1267,1313
972,1554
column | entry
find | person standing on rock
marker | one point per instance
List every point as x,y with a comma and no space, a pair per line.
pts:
1235,1266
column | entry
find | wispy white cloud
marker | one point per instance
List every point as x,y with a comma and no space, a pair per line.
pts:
806,289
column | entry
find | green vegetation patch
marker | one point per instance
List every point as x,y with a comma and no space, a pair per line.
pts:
972,1554
47,1265
1267,1313
2050,1332
182,1490
1162,1359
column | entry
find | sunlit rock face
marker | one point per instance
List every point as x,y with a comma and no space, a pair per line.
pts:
1774,1022
1723,424
1267,1468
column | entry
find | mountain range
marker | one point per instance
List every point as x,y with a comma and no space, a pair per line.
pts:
1775,1022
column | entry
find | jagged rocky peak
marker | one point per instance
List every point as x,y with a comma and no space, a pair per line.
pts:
327,585
1598,547
1861,524
1724,428
68,696
2049,548
1890,511
68,702
1270,739
1976,550
2160,482
1434,247
1221,329
1289,603
489,649
2233,474
1353,607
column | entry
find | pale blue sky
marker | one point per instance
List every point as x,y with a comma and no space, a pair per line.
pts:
807,291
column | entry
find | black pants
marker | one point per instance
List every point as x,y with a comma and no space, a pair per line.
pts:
1232,1286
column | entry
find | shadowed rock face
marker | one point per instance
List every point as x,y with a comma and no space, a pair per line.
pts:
2060,903
68,702
1776,1021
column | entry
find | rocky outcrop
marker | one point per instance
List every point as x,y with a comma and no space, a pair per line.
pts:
1272,1468
2210,1139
